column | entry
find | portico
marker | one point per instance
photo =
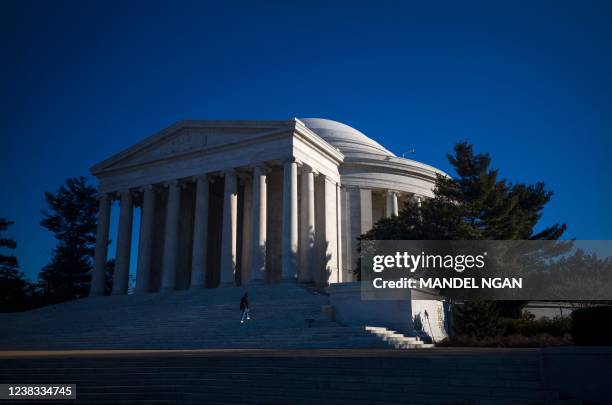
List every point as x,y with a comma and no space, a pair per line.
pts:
227,203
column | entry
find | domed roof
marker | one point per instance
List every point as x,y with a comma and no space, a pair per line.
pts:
349,140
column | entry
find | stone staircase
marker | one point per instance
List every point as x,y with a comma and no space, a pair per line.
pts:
206,318
398,340
292,377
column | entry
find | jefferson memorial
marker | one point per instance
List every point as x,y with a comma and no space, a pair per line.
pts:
232,203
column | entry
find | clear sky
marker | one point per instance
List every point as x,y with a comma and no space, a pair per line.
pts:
528,82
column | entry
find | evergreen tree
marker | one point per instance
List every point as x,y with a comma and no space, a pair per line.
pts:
72,218
494,208
14,288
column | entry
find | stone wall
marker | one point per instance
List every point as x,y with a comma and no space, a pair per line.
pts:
399,315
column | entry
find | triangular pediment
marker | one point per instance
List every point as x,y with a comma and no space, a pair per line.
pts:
189,138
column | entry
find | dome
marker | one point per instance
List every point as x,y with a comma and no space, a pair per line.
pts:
347,139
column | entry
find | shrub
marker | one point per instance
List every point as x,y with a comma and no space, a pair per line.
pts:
477,324
478,319
539,340
591,326
556,327
511,309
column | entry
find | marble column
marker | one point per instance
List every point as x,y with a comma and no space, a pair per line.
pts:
259,218
327,233
200,234
145,245
247,232
228,237
392,208
365,210
361,220
290,221
168,281
307,228
341,277
418,199
124,244
99,270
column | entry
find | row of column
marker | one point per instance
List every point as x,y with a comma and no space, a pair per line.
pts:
290,232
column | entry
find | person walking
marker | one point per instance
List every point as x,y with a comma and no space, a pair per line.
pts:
244,307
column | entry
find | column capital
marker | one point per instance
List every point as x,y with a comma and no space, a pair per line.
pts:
329,179
171,183
354,187
231,181
146,188
391,192
307,169
243,176
125,192
201,177
291,159
262,167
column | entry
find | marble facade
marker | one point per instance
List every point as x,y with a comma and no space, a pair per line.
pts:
226,203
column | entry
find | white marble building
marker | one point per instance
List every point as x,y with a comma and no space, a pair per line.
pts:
227,203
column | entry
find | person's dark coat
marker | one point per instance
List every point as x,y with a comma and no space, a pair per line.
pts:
244,302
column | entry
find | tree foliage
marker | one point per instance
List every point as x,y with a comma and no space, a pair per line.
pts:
72,218
477,319
14,288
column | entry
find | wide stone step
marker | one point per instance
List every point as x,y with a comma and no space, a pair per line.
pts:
298,382
332,367
240,390
263,375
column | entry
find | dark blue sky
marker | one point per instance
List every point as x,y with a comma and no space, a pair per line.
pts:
528,82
